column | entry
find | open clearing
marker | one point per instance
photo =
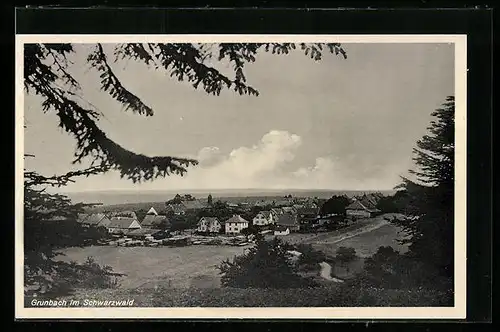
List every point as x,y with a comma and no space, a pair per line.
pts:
195,266
148,267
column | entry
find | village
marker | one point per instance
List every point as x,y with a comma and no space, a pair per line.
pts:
185,220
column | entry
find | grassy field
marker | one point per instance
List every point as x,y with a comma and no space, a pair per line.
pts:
366,237
149,267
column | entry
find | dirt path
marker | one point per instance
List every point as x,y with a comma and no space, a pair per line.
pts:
326,272
363,230
341,235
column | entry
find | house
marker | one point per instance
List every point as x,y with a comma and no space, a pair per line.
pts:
265,218
357,210
290,221
209,225
289,209
96,220
307,213
81,217
282,230
371,200
152,211
155,221
194,205
122,225
277,211
236,224
282,203
175,209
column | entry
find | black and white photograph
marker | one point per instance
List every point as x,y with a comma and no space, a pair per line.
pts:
201,174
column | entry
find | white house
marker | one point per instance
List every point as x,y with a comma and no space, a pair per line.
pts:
265,218
281,230
209,225
236,224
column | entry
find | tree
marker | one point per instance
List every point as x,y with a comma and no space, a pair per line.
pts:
50,225
335,205
209,199
141,214
266,265
47,73
310,257
430,198
345,255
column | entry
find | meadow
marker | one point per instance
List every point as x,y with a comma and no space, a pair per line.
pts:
150,267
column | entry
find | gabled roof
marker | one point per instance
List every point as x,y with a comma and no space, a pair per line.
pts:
237,219
193,205
281,228
277,211
152,211
95,218
176,208
121,222
265,214
81,217
287,219
288,209
209,219
357,205
153,220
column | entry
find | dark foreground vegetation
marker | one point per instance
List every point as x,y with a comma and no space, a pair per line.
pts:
324,296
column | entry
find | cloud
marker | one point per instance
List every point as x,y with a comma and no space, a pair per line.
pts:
209,156
339,173
244,167
268,164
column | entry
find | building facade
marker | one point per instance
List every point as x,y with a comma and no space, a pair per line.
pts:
236,224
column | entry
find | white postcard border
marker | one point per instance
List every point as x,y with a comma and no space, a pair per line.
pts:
456,312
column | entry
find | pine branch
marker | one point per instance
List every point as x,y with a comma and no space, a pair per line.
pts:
111,84
182,61
34,179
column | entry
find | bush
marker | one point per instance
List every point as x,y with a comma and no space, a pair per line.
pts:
64,277
266,265
310,257
345,255
390,270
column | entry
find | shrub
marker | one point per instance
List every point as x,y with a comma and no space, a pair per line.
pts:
390,270
310,257
345,255
64,277
266,265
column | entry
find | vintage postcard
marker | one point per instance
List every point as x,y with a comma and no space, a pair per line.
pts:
241,176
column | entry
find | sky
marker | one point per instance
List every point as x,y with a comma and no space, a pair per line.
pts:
340,124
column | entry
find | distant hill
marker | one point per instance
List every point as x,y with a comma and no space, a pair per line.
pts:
148,198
